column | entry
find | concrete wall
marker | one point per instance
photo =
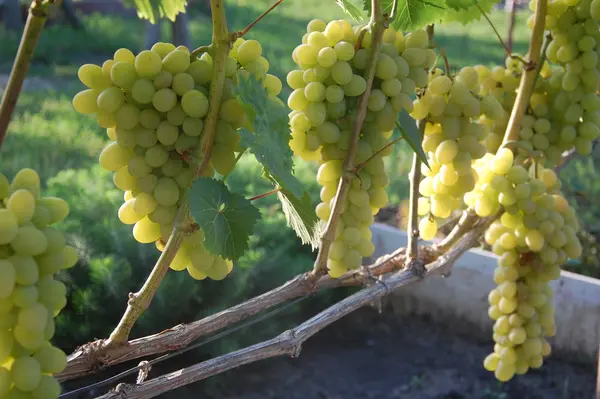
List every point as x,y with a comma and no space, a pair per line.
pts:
461,299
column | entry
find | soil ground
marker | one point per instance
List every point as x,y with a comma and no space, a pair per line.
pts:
372,356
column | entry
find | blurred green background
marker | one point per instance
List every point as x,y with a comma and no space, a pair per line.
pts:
49,136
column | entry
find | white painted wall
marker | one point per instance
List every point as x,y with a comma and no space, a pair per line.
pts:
462,298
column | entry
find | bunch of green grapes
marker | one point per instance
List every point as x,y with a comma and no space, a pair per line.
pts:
534,235
326,92
31,253
453,140
572,101
153,106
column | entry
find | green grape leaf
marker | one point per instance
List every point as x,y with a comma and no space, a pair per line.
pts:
410,132
351,9
412,14
153,10
301,217
227,218
460,11
269,137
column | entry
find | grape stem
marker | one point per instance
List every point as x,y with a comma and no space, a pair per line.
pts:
412,251
465,223
236,35
511,24
529,74
263,195
139,301
506,48
38,13
377,24
359,166
202,49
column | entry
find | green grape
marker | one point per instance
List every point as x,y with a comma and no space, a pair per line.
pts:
148,64
29,241
344,51
143,91
22,205
166,133
315,92
51,359
192,126
164,100
182,83
124,55
8,276
123,75
176,62
194,104
48,388
26,373
127,116
162,49
341,72
297,100
92,76
111,99
144,203
166,192
156,156
248,51
58,208
85,102
222,159
71,257
163,80
113,157
219,269
145,231
356,87
33,318
26,270
327,57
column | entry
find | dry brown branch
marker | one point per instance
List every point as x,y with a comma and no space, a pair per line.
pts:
96,356
290,342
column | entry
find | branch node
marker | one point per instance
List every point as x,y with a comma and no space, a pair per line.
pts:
417,267
145,368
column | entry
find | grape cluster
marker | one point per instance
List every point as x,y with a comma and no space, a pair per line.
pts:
534,235
502,82
326,93
453,139
31,253
153,106
565,108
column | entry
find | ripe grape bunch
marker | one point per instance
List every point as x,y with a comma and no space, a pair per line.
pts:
153,106
31,253
326,93
502,82
535,234
453,139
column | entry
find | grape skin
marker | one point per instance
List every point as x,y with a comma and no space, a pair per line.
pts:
31,253
155,103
